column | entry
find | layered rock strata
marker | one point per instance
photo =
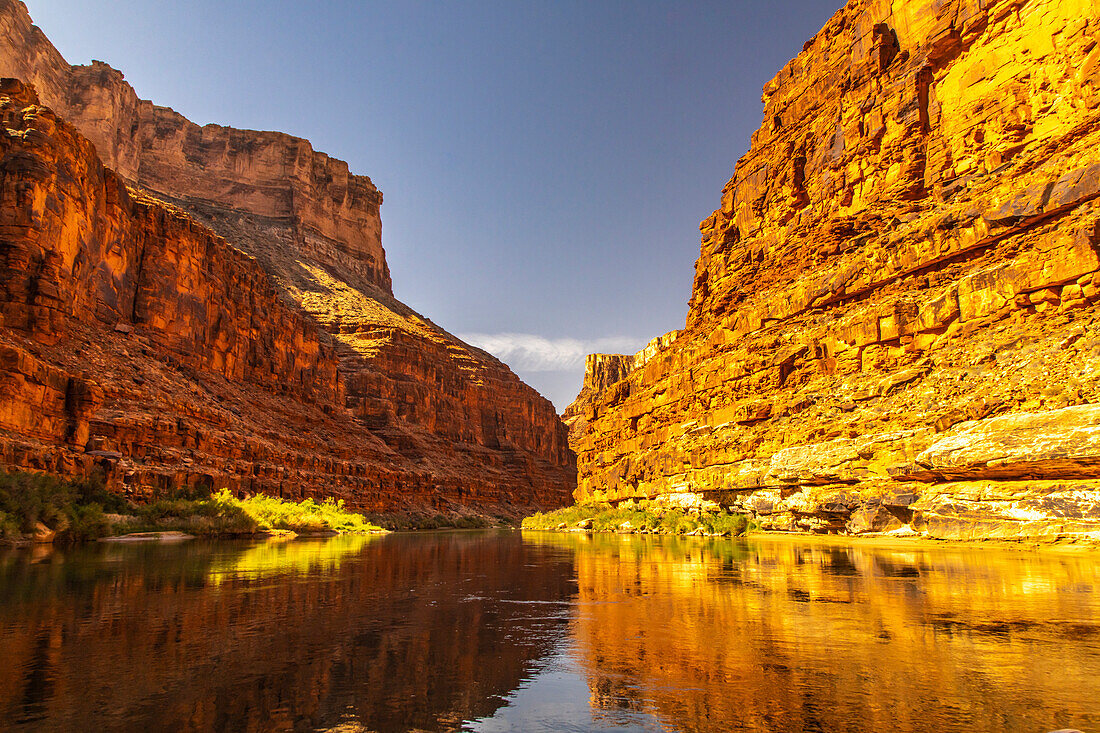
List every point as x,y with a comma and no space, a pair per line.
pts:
601,371
330,215
894,323
218,312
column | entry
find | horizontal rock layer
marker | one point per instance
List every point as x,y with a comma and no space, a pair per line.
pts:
894,318
218,312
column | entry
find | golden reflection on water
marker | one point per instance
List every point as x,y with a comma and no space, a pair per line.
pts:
476,631
287,556
777,634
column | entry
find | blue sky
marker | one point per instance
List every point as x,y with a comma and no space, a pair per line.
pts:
544,165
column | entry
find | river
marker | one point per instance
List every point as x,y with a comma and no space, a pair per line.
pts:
500,631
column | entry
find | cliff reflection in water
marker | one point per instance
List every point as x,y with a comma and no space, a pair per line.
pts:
498,631
787,635
384,633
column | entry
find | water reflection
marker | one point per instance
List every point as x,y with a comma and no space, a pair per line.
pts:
386,634
545,632
791,635
287,557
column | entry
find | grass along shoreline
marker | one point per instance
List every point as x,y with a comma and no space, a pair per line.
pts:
643,517
43,508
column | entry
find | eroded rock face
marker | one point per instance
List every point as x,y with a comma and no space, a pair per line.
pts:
909,245
331,215
601,371
272,357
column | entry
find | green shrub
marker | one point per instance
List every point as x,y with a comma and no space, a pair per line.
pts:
643,517
224,513
72,508
270,512
85,522
77,510
9,526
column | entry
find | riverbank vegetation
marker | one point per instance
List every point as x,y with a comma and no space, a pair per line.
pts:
41,507
643,517
418,521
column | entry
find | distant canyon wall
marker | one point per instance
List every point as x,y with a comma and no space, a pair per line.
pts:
894,321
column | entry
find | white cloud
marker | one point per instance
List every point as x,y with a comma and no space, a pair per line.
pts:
528,352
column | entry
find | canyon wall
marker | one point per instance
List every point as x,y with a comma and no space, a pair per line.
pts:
894,321
332,215
210,306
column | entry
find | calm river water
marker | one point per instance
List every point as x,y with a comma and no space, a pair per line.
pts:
503,631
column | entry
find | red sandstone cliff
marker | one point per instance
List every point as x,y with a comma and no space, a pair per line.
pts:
272,357
895,315
330,215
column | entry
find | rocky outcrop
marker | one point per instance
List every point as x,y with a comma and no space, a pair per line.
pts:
218,312
601,371
894,320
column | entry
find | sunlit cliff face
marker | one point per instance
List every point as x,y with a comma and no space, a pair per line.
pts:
773,635
909,246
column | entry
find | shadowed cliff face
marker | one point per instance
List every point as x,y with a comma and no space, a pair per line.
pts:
387,634
894,318
139,343
129,333
785,635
